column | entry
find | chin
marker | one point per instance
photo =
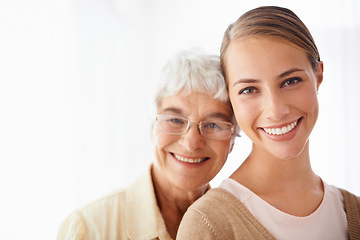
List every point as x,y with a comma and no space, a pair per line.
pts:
288,154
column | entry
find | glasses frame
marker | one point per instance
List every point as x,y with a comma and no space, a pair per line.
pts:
198,126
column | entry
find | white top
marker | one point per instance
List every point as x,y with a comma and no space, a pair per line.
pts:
327,222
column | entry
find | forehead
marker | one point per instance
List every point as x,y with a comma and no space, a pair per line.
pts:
263,56
195,105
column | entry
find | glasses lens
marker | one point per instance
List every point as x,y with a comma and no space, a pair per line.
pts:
172,124
216,129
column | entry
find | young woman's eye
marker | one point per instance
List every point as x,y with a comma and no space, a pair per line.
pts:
248,90
291,81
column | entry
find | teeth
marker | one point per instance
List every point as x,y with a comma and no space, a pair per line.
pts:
281,131
188,160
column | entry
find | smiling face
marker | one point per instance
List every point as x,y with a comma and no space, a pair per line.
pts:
273,91
189,161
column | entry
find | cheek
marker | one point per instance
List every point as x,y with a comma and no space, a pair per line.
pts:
218,148
161,141
244,112
221,150
225,149
312,107
309,102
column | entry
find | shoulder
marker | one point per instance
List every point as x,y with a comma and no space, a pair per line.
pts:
72,228
351,200
348,196
202,219
216,201
220,202
104,205
220,215
110,215
352,209
97,215
213,197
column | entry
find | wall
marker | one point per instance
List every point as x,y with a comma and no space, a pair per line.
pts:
76,85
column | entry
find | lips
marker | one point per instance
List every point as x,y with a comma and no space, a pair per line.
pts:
282,130
189,159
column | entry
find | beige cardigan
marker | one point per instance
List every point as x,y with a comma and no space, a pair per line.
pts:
220,215
131,213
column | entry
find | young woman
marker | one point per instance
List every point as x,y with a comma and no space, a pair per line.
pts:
193,134
273,72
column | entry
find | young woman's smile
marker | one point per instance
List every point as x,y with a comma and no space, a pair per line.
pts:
273,90
282,132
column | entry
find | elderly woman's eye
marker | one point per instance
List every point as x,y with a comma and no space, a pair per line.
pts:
214,125
176,121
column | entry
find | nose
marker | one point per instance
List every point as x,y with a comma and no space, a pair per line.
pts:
192,139
276,106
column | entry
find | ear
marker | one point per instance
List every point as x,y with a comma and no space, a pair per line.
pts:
319,74
232,142
152,132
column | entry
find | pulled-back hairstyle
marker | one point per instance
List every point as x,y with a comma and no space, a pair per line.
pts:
271,21
192,71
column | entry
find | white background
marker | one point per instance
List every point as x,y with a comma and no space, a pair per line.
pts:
76,85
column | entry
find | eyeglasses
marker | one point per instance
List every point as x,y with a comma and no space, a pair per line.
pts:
176,125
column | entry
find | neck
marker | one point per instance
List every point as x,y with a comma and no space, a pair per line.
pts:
173,201
261,166
283,183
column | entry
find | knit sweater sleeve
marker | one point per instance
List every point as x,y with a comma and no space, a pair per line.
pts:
352,209
195,226
220,215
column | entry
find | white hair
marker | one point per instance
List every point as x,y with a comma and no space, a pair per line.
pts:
189,71
193,71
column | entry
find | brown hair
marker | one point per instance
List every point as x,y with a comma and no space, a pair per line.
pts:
271,21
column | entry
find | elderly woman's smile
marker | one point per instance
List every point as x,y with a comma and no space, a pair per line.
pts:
189,157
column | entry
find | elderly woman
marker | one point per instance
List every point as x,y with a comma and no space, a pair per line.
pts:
193,134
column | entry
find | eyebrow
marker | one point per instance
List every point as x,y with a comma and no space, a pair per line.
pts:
173,110
219,115
247,80
282,75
